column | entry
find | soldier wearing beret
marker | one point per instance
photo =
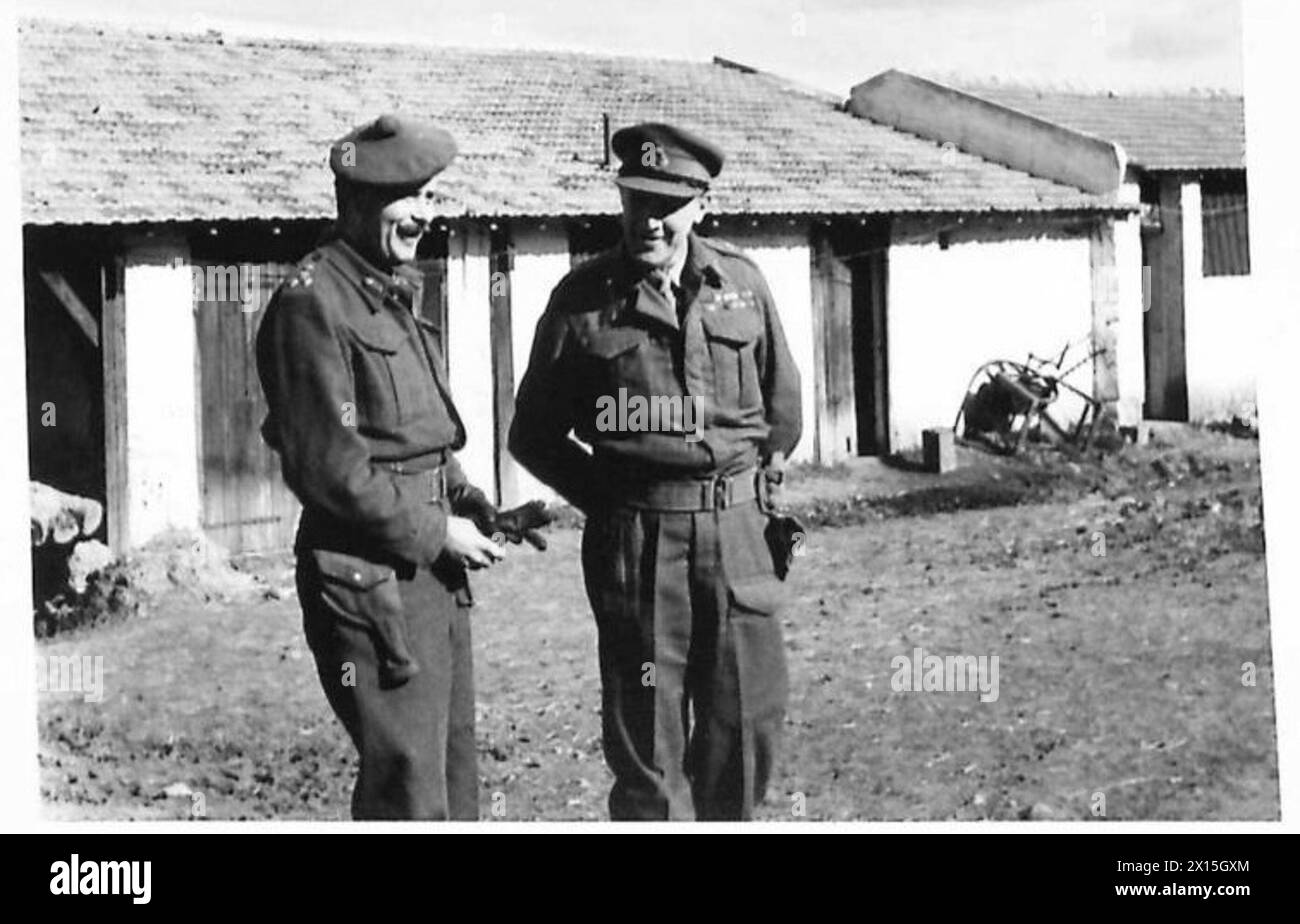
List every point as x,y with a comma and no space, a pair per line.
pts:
366,431
683,585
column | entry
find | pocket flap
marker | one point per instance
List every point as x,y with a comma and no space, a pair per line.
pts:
350,570
613,341
759,595
732,325
379,334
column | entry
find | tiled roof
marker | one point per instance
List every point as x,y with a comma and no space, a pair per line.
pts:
1158,131
128,125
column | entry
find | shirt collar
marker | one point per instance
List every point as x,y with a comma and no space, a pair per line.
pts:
651,301
699,263
674,270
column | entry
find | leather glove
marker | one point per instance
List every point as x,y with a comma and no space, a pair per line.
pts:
520,524
475,506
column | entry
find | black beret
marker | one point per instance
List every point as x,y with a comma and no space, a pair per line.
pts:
392,151
665,160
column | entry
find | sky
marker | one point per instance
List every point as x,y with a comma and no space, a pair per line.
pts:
829,44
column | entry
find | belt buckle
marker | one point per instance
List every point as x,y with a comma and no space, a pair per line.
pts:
720,485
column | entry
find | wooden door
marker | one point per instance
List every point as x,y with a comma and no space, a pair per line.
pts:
246,505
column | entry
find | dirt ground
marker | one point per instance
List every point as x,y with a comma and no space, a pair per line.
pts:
1124,597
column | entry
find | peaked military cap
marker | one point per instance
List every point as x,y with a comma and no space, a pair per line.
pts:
392,151
665,160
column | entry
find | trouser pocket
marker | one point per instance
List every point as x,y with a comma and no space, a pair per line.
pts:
366,594
755,601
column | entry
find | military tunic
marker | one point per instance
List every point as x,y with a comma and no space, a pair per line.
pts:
681,582
365,428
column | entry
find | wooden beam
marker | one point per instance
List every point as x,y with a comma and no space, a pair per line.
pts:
1105,321
116,485
818,254
72,303
1163,323
501,261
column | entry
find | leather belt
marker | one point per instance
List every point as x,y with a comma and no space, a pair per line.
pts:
693,495
430,484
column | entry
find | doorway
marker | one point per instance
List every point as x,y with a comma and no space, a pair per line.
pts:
869,274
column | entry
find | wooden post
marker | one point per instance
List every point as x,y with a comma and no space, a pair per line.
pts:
835,424
1163,330
503,373
1105,319
113,343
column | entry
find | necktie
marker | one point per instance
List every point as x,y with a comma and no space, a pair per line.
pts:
671,291
663,282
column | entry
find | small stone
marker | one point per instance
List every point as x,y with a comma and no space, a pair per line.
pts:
1043,812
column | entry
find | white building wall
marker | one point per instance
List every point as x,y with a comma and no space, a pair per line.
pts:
1221,327
469,349
782,253
161,391
541,261
952,310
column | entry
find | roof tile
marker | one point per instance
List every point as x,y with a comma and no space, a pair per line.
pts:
129,125
1158,131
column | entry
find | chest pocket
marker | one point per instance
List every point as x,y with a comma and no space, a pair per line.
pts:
732,335
620,357
393,381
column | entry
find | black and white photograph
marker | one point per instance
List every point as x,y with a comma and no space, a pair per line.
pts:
786,413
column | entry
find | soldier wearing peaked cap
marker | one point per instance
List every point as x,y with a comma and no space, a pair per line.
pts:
686,590
366,430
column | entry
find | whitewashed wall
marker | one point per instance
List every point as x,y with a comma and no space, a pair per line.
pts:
1222,328
469,348
161,391
781,252
541,261
951,310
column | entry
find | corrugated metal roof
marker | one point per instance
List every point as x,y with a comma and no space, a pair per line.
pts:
128,125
